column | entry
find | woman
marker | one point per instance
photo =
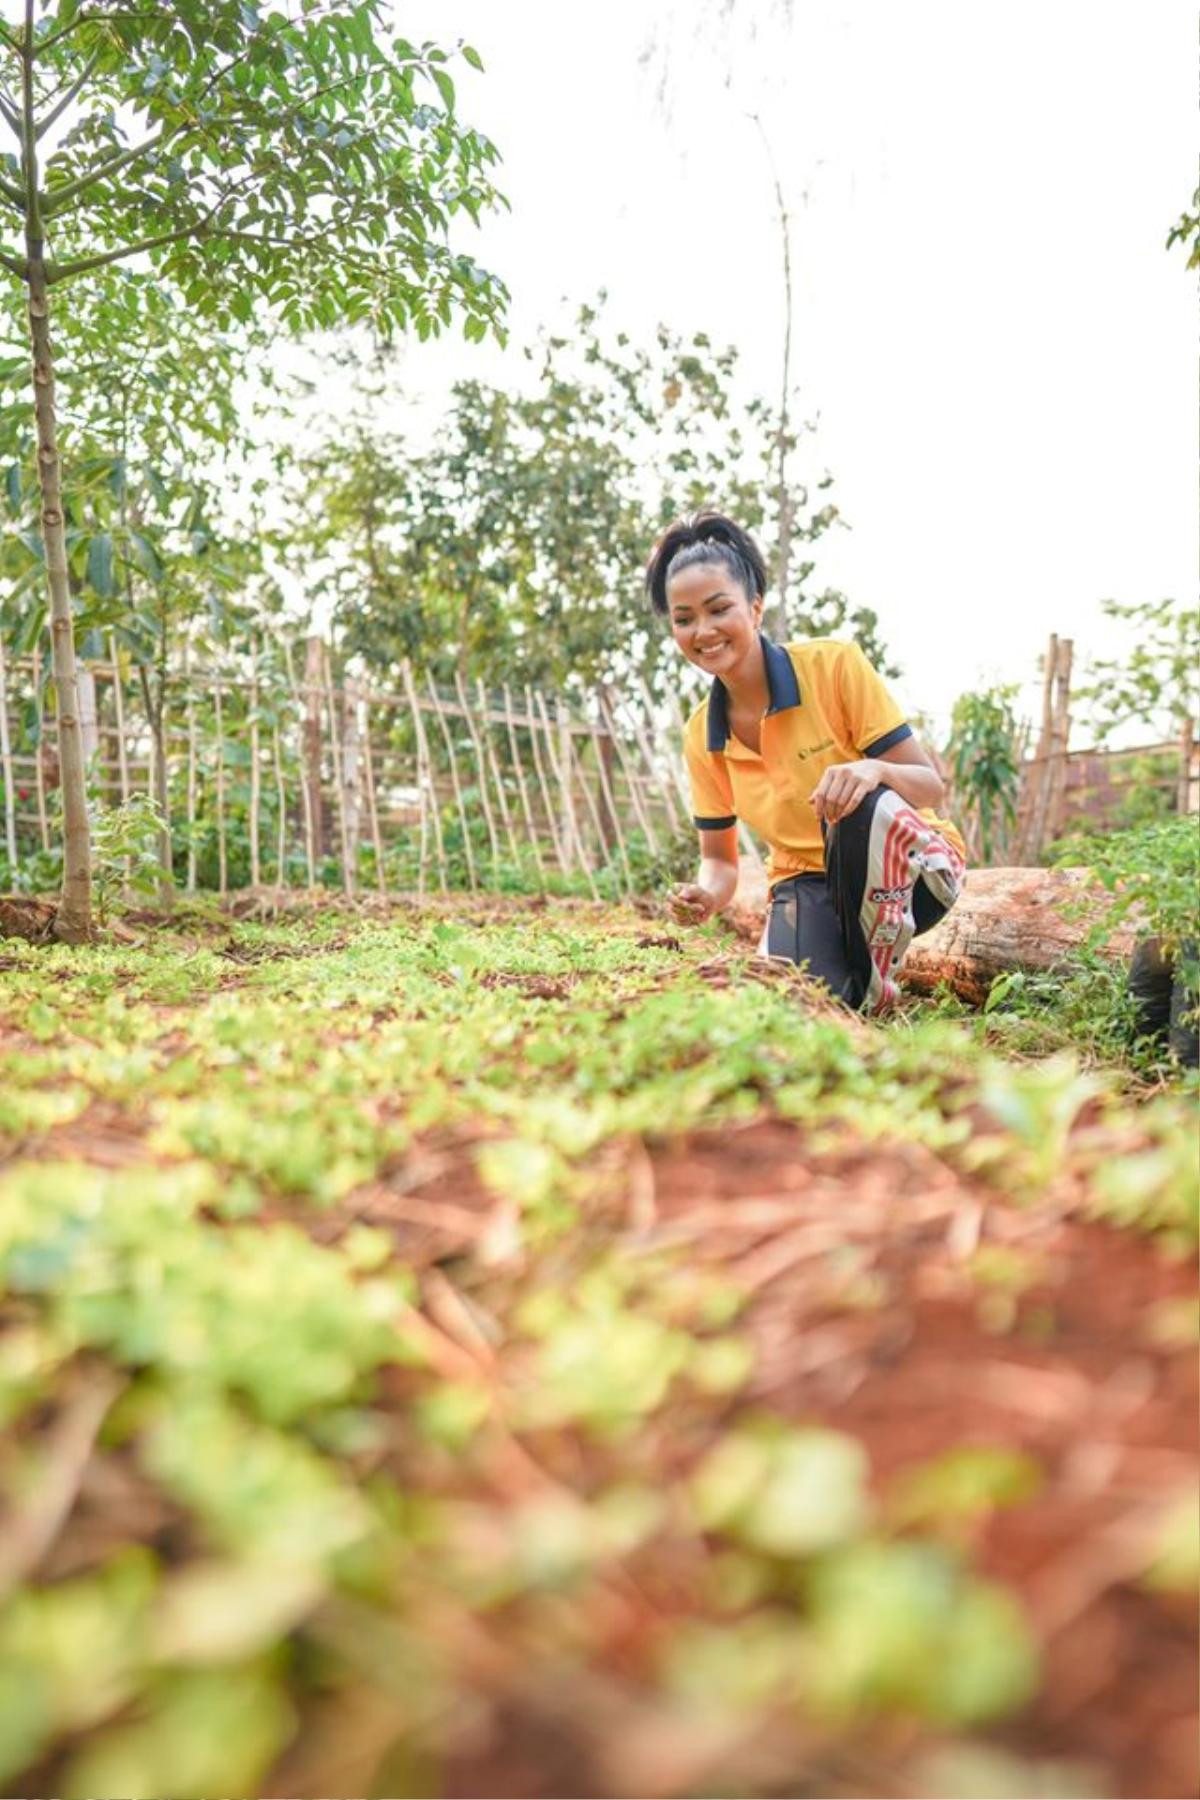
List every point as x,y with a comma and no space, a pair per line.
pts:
803,743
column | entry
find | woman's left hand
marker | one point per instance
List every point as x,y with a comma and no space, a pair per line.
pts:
843,787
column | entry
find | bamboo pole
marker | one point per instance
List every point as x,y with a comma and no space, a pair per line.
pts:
255,795
526,809
6,769
39,770
593,812
606,789
372,806
561,769
1061,735
219,723
631,783
426,783
281,805
190,720
481,770
119,703
314,665
677,787
498,779
306,809
1033,834
454,782
335,751
561,846
1187,742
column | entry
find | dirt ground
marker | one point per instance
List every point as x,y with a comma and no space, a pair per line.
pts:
894,1300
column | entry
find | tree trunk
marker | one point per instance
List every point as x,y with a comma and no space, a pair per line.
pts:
1004,919
73,925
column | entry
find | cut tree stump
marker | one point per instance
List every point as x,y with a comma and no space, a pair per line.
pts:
1004,919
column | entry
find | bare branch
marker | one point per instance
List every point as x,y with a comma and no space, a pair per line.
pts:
10,191
10,114
16,265
72,93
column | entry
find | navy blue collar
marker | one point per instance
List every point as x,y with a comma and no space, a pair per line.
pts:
782,686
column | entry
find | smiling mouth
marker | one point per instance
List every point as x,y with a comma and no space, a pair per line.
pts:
713,650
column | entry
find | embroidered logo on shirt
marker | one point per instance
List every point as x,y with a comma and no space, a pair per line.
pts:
815,749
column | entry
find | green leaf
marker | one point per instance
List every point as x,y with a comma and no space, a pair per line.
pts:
100,565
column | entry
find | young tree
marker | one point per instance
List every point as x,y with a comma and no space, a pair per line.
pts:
515,542
308,164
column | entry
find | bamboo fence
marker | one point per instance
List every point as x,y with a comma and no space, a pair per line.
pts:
293,780
280,774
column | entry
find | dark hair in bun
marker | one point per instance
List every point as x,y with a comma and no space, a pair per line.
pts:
705,537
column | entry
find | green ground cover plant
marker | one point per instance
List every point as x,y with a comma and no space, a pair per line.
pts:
279,1479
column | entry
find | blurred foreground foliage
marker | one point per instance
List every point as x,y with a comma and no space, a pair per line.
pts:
267,1523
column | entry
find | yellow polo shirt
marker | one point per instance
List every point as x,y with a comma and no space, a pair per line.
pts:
827,705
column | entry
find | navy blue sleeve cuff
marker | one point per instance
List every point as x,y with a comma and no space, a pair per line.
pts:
887,740
714,824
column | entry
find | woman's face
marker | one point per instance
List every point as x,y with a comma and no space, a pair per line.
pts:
713,620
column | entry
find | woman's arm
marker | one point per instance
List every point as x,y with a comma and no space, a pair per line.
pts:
905,768
716,882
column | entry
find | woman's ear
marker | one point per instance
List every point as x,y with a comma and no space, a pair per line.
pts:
756,608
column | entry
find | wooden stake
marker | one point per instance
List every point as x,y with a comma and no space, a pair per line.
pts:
372,808
562,772
255,870
610,798
352,780
39,771
6,769
1061,732
339,790
281,804
218,720
481,772
562,849
631,780
1187,744
306,808
448,740
498,779
314,664
119,703
593,813
526,809
674,759
426,783
190,716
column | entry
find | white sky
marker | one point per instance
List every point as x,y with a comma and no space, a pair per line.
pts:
1000,350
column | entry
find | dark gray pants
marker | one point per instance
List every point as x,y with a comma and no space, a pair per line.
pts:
889,875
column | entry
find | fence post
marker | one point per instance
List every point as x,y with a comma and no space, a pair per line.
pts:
372,803
1060,736
452,759
339,789
255,795
562,849
219,723
190,722
1189,769
526,809
425,784
314,707
6,769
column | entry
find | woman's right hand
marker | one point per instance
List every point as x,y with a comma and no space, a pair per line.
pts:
691,904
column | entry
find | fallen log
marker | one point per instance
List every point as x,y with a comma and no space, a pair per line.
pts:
1005,919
